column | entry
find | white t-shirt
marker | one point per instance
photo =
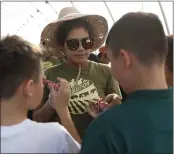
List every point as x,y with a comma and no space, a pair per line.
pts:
32,137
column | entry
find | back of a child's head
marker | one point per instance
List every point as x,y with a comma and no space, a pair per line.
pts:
141,34
19,61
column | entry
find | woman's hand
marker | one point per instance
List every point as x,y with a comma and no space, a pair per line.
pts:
111,99
92,111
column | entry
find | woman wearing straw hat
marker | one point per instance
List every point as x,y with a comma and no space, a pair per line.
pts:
77,35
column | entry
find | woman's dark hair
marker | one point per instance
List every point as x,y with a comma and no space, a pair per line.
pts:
93,57
67,26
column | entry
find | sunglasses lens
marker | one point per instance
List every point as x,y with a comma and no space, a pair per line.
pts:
72,44
87,43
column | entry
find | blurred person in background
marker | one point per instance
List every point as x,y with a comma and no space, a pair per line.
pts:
102,56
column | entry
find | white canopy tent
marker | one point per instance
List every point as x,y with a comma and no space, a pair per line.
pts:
27,19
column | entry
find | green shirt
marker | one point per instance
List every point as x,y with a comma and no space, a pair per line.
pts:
142,125
95,81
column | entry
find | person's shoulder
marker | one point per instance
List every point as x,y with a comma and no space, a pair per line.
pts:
102,69
105,126
53,131
111,116
101,66
55,135
51,128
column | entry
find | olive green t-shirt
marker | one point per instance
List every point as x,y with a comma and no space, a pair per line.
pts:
94,82
143,124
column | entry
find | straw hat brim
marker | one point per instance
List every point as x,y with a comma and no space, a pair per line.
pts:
98,24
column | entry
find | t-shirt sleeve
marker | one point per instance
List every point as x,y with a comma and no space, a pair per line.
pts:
102,141
56,139
70,145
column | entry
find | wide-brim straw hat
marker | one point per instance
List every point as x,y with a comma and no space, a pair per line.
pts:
98,25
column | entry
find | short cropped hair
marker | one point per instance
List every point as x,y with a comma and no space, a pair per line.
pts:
19,61
169,60
139,33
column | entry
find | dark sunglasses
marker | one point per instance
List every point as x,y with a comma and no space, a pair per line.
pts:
74,44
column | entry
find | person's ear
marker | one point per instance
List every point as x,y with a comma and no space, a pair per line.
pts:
125,56
28,88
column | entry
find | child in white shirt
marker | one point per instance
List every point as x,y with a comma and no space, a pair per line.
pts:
21,89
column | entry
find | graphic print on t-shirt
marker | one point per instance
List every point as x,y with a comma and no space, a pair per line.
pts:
83,92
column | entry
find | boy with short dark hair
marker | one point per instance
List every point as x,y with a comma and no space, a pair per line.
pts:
21,89
143,124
